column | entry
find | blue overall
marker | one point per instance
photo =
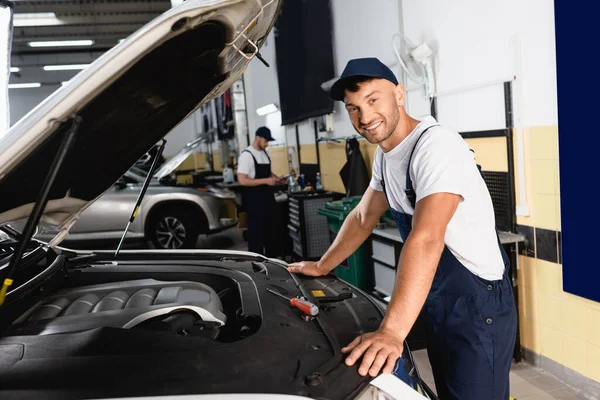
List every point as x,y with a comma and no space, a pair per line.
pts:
470,322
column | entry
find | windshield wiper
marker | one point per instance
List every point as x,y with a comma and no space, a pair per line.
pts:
40,205
142,193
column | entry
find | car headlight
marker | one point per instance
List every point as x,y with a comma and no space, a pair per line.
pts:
374,393
389,387
402,384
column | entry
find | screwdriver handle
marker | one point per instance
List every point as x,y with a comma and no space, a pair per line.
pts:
305,306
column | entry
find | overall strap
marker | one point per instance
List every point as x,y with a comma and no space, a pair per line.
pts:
254,158
410,191
251,155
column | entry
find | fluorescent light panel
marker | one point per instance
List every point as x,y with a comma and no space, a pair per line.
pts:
69,67
268,109
24,85
62,43
36,19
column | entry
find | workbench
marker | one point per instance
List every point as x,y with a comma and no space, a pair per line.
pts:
386,245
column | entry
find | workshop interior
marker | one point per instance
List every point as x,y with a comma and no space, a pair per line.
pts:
129,130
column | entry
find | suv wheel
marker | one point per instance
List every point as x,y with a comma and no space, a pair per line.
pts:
173,229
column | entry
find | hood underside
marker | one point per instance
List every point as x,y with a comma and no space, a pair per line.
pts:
190,63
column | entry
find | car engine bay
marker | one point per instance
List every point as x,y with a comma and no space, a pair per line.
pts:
165,324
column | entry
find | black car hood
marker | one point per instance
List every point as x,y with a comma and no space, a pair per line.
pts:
127,100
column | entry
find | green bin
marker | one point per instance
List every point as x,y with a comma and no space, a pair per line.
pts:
354,269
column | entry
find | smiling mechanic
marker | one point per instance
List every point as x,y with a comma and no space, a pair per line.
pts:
452,264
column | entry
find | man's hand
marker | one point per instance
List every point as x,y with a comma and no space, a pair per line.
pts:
378,349
270,181
308,268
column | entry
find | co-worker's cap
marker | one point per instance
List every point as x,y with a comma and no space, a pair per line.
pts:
265,132
368,67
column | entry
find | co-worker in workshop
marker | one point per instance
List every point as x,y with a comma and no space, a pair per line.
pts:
452,264
258,197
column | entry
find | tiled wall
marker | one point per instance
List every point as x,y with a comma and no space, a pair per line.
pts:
279,160
333,158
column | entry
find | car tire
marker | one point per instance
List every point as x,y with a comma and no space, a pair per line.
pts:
173,229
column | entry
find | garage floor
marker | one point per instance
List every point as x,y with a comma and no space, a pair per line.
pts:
526,381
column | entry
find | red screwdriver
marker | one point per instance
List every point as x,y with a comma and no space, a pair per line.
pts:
305,306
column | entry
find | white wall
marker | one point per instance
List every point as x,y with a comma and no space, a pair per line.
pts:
475,42
21,101
262,88
360,29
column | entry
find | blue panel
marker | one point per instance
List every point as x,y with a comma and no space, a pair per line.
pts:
579,149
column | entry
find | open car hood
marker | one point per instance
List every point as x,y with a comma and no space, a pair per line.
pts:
127,100
172,163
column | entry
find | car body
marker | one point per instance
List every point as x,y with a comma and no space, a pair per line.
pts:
162,323
171,216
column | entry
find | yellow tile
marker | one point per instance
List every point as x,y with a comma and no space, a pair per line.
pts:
552,343
549,278
544,142
557,179
544,176
550,312
573,318
558,213
279,160
545,211
527,270
575,354
490,153
217,161
530,334
528,301
308,154
593,362
594,305
593,325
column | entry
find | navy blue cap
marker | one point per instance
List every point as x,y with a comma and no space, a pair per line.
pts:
265,132
370,67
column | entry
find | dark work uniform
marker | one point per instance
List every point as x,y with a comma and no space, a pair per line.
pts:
260,205
470,323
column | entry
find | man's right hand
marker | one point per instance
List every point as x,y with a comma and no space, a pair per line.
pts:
270,181
308,268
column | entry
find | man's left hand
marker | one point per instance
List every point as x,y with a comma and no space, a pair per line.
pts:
378,349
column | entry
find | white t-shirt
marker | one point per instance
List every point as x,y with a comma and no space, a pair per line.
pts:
246,162
443,162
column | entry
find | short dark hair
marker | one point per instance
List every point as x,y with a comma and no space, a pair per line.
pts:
351,83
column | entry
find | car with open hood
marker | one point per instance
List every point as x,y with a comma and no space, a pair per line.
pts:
164,323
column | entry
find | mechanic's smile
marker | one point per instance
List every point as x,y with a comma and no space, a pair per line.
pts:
372,127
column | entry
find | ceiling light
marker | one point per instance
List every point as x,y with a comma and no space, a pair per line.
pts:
15,69
36,19
268,109
68,67
24,85
62,43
